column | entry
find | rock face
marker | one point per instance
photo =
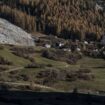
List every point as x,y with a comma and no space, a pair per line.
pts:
13,35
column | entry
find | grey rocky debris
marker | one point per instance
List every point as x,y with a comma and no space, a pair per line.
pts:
11,34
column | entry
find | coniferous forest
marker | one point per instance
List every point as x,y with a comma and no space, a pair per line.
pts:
73,19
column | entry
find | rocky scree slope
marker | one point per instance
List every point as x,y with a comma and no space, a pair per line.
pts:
11,34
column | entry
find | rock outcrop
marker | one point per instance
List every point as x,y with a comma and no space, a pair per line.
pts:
13,35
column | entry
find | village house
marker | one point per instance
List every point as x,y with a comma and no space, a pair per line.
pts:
67,49
47,46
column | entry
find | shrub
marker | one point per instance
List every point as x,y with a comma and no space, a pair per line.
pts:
85,76
48,54
4,61
51,76
24,77
75,90
49,65
23,55
26,50
2,68
1,47
71,77
84,70
71,61
60,55
34,65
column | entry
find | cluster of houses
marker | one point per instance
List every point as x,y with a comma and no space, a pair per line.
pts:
94,49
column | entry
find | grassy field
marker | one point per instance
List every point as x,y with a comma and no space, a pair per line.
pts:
17,61
97,67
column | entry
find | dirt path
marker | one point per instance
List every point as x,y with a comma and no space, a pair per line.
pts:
28,84
14,69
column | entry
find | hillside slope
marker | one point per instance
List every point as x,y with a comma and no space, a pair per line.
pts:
74,19
17,73
11,34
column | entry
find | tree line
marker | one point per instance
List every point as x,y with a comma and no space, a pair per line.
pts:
73,19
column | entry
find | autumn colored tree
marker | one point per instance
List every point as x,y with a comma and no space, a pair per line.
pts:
74,19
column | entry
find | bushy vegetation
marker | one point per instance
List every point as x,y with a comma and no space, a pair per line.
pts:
16,77
1,47
4,61
27,50
24,52
84,75
64,18
61,55
3,68
51,76
35,65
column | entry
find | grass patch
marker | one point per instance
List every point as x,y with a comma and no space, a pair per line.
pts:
18,61
96,65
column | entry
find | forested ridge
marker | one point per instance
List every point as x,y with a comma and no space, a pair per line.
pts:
65,18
